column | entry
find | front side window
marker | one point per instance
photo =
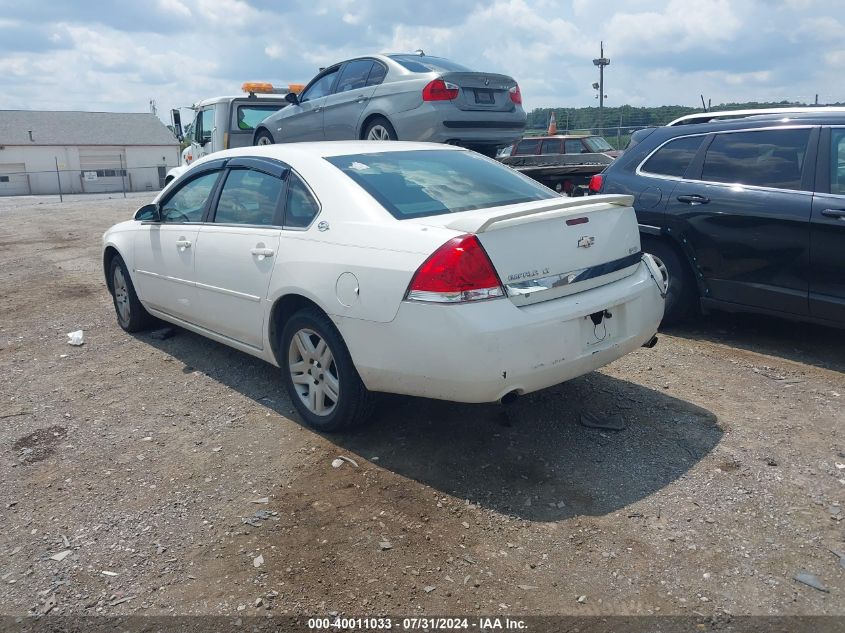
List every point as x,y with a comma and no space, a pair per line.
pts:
573,146
251,115
301,207
206,125
837,161
763,158
673,158
354,75
411,184
321,86
188,203
248,197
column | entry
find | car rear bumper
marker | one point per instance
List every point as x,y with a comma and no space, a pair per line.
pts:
441,122
480,352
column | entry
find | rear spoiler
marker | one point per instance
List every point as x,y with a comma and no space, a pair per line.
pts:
551,209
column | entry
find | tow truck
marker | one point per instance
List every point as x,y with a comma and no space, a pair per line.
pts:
226,122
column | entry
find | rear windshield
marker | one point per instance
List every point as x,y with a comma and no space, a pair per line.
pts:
425,64
419,183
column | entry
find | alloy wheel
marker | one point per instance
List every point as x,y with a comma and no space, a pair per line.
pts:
664,272
263,140
121,296
378,133
313,372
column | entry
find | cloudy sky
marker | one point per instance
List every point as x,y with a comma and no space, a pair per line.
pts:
116,56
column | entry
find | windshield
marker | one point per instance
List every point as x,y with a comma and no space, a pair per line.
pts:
597,144
435,182
426,64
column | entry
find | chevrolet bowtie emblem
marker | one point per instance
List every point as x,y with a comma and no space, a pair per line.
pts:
586,242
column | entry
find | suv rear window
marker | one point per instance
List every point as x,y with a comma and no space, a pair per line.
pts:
527,147
673,158
426,64
420,183
765,158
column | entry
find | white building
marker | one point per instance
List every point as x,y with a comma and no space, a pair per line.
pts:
86,152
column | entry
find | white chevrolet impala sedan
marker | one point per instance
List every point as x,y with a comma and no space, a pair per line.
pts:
411,268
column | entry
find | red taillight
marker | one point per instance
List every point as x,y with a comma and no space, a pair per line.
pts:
439,90
596,183
458,271
516,95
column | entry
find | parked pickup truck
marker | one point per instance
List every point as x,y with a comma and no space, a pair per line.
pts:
564,163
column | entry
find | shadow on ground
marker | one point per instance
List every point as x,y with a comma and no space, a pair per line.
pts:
801,342
533,460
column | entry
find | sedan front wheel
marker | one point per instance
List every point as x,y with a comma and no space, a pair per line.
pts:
321,380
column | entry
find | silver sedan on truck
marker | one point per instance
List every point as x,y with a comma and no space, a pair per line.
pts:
401,97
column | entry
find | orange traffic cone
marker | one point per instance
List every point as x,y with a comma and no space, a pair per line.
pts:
552,125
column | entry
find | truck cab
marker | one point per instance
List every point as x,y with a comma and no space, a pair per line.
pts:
226,122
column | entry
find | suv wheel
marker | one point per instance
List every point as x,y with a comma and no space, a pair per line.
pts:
681,291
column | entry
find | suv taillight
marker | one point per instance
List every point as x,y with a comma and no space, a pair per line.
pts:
596,183
439,90
516,95
458,271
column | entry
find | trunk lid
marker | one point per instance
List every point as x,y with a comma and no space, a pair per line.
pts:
551,248
487,92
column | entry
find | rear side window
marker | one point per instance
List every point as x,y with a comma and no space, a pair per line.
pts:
764,158
420,183
673,158
527,147
354,75
377,74
301,207
248,197
550,147
837,161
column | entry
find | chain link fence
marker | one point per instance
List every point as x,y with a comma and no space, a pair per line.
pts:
75,181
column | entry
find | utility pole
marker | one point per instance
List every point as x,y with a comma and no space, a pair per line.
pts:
601,62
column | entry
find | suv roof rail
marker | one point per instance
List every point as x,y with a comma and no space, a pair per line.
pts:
708,117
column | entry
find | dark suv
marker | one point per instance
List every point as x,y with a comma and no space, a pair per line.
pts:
744,213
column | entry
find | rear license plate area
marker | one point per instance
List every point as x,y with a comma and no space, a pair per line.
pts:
484,96
599,330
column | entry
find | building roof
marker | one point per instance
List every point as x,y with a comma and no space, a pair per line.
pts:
82,128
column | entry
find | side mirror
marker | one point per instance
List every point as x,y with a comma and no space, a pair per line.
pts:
148,213
176,119
292,98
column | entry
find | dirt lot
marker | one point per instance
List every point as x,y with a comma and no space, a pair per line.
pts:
170,469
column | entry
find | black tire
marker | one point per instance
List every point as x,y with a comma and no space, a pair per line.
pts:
125,299
263,137
354,403
384,124
681,293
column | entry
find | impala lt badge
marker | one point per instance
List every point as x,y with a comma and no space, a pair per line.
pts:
586,242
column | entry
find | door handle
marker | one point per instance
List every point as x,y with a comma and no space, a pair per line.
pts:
263,252
317,109
693,199
183,244
361,98
834,213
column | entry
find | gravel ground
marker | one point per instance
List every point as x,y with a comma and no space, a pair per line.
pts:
171,476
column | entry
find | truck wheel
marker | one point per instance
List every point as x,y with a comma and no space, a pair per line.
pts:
681,291
264,138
